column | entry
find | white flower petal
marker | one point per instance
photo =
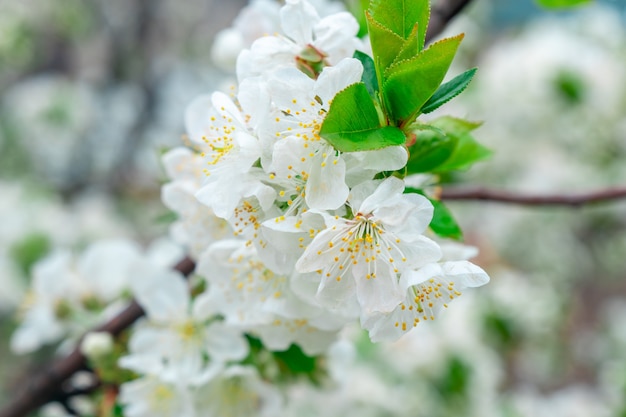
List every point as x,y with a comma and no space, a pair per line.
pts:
297,18
106,266
162,293
336,78
225,343
326,188
380,292
387,189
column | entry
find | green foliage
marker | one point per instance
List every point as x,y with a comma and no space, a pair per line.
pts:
386,45
369,73
467,151
17,48
402,81
443,223
445,144
106,366
410,47
288,364
410,83
500,330
29,250
431,149
449,90
295,361
570,87
560,4
397,31
353,124
400,16
456,379
168,217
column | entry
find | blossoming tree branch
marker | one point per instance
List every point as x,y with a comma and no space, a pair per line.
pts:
306,200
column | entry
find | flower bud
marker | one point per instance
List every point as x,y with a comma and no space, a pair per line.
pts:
96,344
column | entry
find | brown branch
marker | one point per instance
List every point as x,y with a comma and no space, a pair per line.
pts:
441,14
499,196
48,384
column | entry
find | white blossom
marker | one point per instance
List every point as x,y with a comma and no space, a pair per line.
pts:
151,397
311,173
256,298
238,391
428,290
365,255
306,41
197,226
71,295
181,338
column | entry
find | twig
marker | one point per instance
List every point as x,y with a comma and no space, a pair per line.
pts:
47,385
499,196
442,13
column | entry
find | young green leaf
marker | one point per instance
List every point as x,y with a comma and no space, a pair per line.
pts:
412,82
365,140
431,149
467,151
454,125
369,72
448,91
410,47
560,4
443,223
400,16
296,361
352,123
386,45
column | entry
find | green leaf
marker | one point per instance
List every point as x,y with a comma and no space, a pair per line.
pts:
29,250
167,217
454,125
369,72
400,16
431,149
448,91
455,380
367,140
386,45
559,4
352,123
443,224
412,82
410,47
296,361
467,151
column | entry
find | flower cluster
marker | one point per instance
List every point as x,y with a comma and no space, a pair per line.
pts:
294,237
297,226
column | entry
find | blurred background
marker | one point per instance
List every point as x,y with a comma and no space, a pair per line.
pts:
92,92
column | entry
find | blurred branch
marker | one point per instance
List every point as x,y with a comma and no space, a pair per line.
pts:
47,385
442,13
500,196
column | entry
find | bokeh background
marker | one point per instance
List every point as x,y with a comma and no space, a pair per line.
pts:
93,91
